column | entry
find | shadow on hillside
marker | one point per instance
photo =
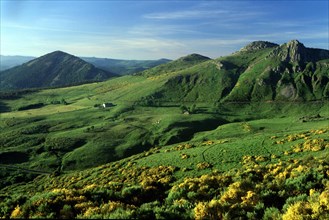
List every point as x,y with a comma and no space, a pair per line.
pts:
13,157
186,130
4,107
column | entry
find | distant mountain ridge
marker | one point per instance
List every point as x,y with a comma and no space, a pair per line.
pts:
7,62
260,71
117,66
51,70
124,67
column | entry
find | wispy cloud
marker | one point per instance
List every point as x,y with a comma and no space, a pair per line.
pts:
125,47
211,9
49,29
159,29
148,43
186,14
149,30
300,23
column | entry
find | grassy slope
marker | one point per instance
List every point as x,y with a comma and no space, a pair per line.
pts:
102,130
244,76
128,128
213,140
117,132
193,179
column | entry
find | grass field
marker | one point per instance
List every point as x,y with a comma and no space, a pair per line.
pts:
131,127
168,147
256,169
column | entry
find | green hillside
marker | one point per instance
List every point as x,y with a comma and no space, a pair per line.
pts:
230,138
250,166
260,71
287,72
176,65
51,70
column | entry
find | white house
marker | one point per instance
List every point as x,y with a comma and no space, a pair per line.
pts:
107,105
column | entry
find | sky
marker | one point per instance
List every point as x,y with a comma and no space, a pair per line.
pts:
157,29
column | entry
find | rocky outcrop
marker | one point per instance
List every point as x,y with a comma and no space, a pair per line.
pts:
295,52
258,45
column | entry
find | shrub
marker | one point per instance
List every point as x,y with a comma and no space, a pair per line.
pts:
298,210
31,106
272,214
133,194
203,165
63,144
183,108
66,212
35,129
55,102
17,212
209,210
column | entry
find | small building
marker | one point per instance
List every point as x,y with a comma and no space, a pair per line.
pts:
107,105
186,113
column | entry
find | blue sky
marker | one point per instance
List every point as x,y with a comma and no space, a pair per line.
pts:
157,29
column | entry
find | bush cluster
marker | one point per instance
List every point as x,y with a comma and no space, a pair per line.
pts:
259,189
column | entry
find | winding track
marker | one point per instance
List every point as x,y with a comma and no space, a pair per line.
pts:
11,167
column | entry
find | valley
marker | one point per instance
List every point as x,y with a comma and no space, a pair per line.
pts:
193,138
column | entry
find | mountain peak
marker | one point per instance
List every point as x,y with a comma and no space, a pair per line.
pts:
258,45
295,42
194,57
294,45
58,53
53,69
294,51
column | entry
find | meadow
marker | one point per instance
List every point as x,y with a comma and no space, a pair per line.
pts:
193,138
266,169
137,161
